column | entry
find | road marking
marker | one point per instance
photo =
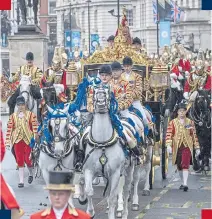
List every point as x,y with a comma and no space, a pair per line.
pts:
187,204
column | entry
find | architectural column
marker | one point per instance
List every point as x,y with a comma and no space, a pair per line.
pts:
60,27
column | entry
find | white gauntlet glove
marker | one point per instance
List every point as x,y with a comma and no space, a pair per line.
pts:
169,149
10,79
197,152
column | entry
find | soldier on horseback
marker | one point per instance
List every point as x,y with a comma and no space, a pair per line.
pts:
56,74
28,70
198,79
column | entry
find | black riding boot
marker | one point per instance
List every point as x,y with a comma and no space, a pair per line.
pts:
80,155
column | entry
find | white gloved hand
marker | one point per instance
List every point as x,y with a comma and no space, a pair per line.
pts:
186,95
197,152
169,149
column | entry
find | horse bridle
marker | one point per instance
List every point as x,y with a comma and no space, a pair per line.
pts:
100,91
27,101
57,136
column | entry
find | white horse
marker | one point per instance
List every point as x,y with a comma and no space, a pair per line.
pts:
25,91
133,174
58,154
104,154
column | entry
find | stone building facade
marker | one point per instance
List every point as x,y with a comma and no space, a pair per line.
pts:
140,17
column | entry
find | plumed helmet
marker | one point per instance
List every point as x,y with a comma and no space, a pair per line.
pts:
105,69
127,61
182,106
116,66
29,56
136,40
111,38
20,100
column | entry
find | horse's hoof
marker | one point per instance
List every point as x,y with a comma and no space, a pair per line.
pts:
93,216
135,207
119,214
83,202
146,193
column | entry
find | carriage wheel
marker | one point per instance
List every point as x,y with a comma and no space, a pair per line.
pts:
165,155
152,173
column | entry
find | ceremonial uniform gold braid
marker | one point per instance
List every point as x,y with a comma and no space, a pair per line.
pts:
21,128
136,84
34,72
49,74
123,93
177,135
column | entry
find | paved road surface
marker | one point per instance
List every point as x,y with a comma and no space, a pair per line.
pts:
165,202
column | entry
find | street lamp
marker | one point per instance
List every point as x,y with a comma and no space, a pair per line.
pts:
89,28
118,10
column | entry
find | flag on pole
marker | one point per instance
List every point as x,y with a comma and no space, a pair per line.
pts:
175,11
165,33
155,14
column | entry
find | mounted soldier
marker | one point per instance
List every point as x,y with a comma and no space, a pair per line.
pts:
31,71
21,128
52,74
198,79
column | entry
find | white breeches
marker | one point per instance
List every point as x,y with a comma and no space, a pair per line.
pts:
138,106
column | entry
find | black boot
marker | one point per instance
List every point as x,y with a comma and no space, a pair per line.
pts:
79,160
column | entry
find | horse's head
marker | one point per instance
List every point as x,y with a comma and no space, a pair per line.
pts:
202,100
25,86
101,99
49,95
59,126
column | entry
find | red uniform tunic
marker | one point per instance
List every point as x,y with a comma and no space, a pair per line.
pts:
188,85
19,134
69,213
185,64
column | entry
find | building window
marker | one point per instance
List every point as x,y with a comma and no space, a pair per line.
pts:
52,6
53,33
130,17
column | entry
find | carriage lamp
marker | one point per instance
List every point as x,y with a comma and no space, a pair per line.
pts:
72,78
159,80
155,81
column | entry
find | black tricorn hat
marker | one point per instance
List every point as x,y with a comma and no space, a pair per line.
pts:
60,180
30,56
116,66
20,100
136,40
127,61
111,38
181,106
105,69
